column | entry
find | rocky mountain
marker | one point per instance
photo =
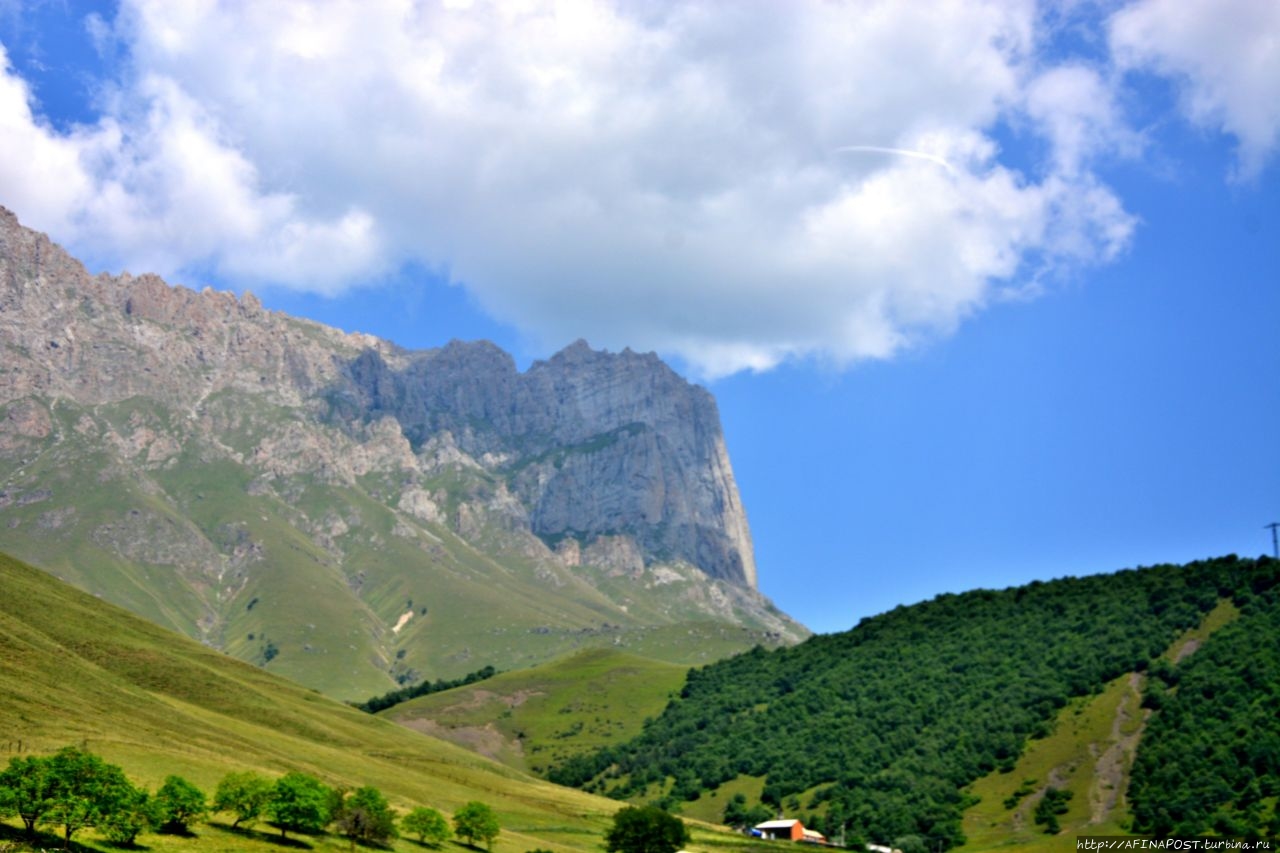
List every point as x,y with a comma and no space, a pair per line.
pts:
348,512
596,448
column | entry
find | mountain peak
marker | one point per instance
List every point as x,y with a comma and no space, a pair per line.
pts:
230,461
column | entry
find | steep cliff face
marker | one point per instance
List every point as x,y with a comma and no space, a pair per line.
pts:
201,460
592,444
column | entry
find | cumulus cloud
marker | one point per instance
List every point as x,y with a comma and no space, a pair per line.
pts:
40,170
1075,108
153,186
735,184
1225,55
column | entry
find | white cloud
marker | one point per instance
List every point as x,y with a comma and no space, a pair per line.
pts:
153,187
39,169
736,184
1226,56
1077,111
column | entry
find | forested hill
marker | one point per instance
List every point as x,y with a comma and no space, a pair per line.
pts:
879,729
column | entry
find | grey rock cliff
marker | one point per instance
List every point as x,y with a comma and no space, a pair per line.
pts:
592,443
589,443
245,476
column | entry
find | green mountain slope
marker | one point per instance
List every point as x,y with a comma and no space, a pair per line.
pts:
321,581
74,669
1210,759
1088,752
880,729
533,718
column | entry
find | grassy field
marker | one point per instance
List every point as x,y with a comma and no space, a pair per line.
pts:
217,836
76,670
711,807
532,718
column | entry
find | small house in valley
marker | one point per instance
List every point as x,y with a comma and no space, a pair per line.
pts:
781,830
788,830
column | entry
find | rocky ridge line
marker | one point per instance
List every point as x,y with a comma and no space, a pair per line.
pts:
611,458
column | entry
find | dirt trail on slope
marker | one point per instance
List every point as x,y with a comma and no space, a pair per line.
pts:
1107,789
1187,648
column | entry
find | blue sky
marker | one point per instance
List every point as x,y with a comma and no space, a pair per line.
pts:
987,292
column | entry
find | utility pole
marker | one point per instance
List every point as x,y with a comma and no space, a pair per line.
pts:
1275,539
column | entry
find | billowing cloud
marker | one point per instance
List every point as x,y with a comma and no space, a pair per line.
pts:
1076,110
735,184
153,186
1225,55
40,171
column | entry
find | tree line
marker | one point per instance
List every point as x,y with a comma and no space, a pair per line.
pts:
73,789
876,732
423,688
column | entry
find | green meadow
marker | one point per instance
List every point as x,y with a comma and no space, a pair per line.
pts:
76,670
533,718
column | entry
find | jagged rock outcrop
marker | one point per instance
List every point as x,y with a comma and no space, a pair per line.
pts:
593,444
157,438
107,338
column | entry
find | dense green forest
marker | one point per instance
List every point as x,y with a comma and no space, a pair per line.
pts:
877,731
1210,759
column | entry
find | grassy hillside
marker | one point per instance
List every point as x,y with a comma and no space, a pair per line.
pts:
326,582
320,582
1089,752
881,730
74,669
533,718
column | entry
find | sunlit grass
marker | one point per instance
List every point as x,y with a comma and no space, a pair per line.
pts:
75,670
534,718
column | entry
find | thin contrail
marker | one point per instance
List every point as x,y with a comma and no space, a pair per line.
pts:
904,152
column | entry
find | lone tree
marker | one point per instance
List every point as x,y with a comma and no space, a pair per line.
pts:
178,804
428,824
299,802
645,829
364,815
476,822
244,795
